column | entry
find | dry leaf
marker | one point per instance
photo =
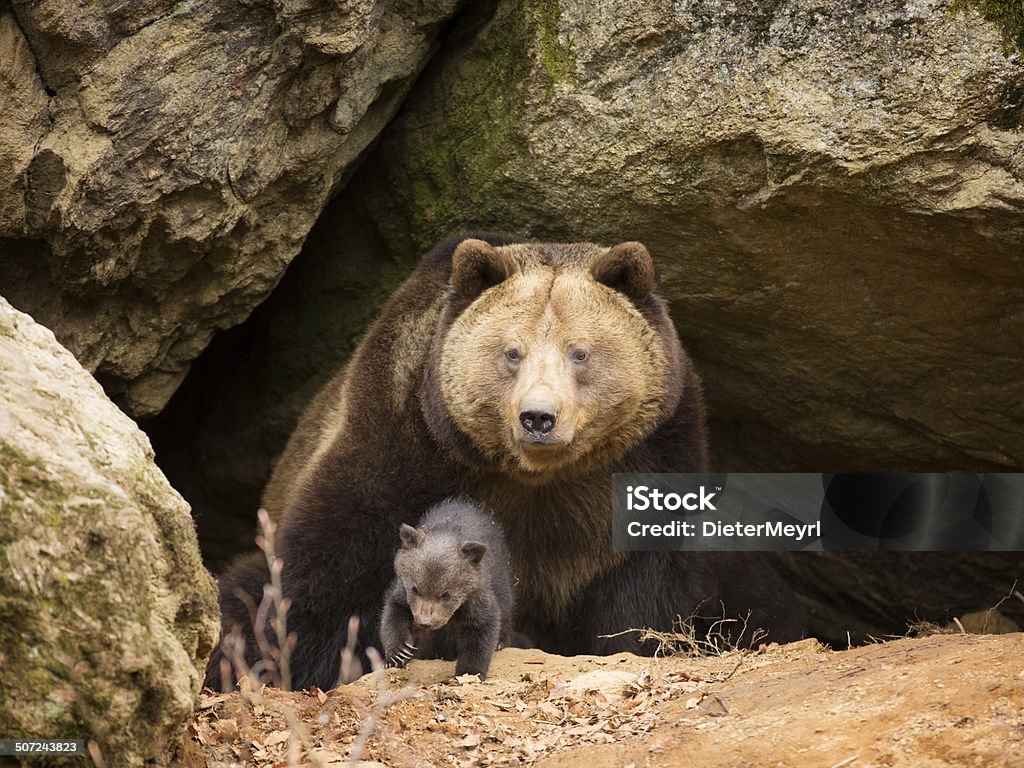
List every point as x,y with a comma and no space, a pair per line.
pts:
328,757
202,732
277,737
224,730
607,681
471,740
205,702
549,709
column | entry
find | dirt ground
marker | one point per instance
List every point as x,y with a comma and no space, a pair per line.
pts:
944,700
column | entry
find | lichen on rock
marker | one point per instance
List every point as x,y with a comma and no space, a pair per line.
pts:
1008,15
106,612
163,162
834,195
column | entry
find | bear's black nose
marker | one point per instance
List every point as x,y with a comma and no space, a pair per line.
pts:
537,422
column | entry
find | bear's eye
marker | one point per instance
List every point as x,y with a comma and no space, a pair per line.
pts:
580,355
446,596
414,590
513,355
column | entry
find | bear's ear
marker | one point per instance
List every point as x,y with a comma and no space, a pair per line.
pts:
411,538
477,266
474,551
626,268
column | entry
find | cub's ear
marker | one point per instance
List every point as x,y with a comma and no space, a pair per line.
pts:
474,551
476,266
411,538
626,268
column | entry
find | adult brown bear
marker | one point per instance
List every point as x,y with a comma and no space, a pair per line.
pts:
521,375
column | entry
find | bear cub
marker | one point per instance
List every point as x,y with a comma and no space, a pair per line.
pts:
452,592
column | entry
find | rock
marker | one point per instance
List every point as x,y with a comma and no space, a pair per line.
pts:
856,596
184,153
608,682
107,615
23,103
832,193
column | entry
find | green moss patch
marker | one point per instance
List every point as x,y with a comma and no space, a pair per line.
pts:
557,57
1008,15
24,477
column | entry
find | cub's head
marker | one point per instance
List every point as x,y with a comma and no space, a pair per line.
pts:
438,573
552,357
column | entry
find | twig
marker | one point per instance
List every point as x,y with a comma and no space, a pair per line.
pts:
281,603
1012,593
274,661
684,639
847,761
734,670
96,754
258,619
384,700
351,670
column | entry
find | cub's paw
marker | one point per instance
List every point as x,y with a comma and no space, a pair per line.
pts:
402,656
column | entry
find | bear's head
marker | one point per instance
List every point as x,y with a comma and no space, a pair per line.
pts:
551,357
438,573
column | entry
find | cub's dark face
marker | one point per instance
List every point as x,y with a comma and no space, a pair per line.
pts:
438,574
553,364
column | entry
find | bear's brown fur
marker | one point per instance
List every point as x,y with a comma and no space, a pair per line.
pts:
521,375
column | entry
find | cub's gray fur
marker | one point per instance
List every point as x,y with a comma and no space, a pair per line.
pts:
452,593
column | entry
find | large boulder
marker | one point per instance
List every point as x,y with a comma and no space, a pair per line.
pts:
832,191
833,194
162,162
107,615
23,103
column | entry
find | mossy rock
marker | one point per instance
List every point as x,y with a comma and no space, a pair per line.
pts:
1008,15
107,615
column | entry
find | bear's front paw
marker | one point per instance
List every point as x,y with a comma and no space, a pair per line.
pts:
402,656
472,667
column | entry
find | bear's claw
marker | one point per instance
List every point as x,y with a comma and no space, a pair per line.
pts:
402,656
